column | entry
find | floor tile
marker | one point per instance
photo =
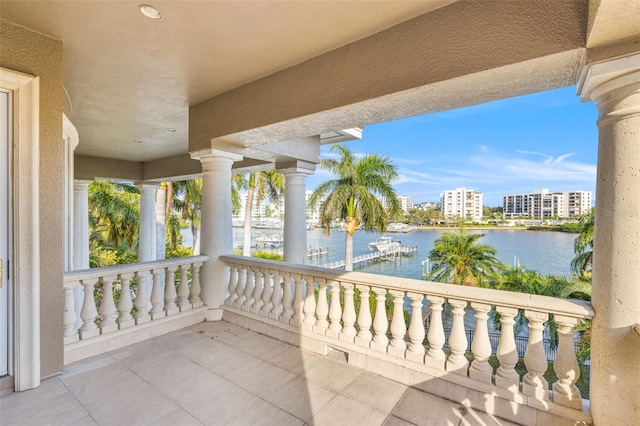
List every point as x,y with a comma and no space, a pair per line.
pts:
261,379
343,410
331,374
295,360
425,409
58,410
265,414
178,416
221,405
301,398
191,383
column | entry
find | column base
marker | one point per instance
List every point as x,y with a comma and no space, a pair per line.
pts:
213,315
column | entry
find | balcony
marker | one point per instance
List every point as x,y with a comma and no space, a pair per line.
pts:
149,356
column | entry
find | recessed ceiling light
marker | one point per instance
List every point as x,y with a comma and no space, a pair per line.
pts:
171,129
150,12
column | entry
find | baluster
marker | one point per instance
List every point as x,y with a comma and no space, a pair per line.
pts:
248,290
196,302
506,375
398,327
257,291
298,301
170,295
266,293
69,317
309,304
183,290
535,359
233,285
88,313
107,307
157,298
276,297
364,318
142,298
125,304
435,335
242,284
322,309
416,350
457,362
566,366
287,299
335,311
480,368
380,322
348,332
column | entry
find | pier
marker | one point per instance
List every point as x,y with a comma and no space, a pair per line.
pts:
317,252
391,254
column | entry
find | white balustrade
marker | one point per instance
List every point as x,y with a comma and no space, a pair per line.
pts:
248,290
258,279
240,287
233,284
319,302
117,308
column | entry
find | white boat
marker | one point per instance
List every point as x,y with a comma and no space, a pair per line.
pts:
385,244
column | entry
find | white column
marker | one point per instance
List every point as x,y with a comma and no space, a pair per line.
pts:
80,239
161,222
216,229
615,346
147,231
295,211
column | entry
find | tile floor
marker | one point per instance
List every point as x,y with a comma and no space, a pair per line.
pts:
221,374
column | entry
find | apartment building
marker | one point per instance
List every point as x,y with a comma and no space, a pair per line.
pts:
542,204
463,203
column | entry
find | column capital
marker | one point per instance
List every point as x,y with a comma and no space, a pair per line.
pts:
81,184
296,166
147,185
210,153
602,76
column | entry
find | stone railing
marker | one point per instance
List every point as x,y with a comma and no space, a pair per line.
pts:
123,296
306,299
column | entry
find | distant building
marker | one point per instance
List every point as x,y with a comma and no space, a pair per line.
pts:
426,205
543,204
313,215
463,203
405,203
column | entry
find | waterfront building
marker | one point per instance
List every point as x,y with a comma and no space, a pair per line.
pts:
543,204
462,203
97,90
405,203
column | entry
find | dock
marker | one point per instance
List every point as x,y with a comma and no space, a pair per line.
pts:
391,254
317,252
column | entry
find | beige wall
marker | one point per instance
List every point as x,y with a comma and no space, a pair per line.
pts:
32,53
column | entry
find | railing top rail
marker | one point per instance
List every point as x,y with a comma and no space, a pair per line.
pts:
553,305
74,276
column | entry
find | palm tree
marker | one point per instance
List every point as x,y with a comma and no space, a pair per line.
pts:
114,212
353,195
583,246
238,183
187,200
267,184
458,258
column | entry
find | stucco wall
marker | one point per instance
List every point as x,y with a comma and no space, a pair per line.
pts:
32,53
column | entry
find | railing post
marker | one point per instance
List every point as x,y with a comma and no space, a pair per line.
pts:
398,327
435,336
242,283
335,311
348,332
533,383
380,322
89,312
276,297
566,365
322,309
142,298
157,298
416,350
107,307
69,317
183,290
480,368
233,284
364,318
297,301
457,362
248,290
267,290
125,304
309,304
196,301
506,375
287,299
170,295
258,287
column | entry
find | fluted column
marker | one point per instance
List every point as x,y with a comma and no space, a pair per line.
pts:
216,237
615,347
295,212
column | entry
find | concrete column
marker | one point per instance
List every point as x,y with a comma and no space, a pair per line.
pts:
147,230
80,238
161,222
295,213
615,345
216,232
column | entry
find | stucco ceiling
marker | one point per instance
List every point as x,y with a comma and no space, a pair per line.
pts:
130,80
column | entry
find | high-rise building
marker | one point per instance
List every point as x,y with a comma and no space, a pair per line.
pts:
463,203
543,204
405,203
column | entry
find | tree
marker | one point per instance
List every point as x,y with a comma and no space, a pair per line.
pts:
583,246
458,258
268,184
187,200
353,195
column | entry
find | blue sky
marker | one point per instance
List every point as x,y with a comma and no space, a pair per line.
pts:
544,140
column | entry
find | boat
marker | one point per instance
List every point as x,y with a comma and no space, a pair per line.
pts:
385,244
400,228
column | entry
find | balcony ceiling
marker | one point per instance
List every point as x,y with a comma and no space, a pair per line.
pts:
129,79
